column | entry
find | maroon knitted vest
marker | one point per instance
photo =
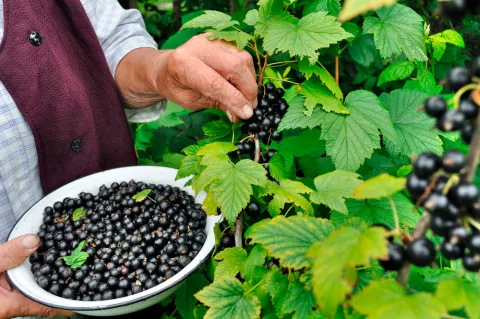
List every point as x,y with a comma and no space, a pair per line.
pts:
52,64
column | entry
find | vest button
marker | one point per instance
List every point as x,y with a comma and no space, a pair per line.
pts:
76,145
35,38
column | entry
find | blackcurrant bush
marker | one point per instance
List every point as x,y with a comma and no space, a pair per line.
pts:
453,161
457,78
396,257
436,106
426,165
452,120
421,252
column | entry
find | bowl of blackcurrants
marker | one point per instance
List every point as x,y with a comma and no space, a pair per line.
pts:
114,242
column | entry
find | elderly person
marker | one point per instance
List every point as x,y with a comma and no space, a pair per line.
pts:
68,68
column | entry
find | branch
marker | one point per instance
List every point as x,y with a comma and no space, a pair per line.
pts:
337,70
177,14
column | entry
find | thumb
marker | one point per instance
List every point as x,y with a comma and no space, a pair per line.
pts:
15,251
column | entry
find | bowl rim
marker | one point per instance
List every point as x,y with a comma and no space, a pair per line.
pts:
118,304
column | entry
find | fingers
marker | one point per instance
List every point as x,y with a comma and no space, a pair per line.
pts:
200,77
14,252
33,309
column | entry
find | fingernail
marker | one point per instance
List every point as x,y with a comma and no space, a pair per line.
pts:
255,103
30,241
247,111
229,114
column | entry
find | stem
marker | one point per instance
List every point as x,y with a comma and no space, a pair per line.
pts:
337,70
281,80
257,150
177,14
232,6
471,164
462,91
259,62
280,63
262,70
254,287
395,214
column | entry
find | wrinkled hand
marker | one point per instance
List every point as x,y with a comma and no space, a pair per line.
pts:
209,74
13,303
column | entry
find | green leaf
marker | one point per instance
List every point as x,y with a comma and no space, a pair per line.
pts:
425,83
268,12
345,248
332,189
210,174
172,116
251,18
317,93
388,299
217,129
233,186
240,38
303,37
189,166
191,150
227,299
331,6
141,196
231,262
277,167
298,300
398,30
396,71
305,143
351,139
457,293
79,213
288,192
288,239
217,148
277,286
353,8
211,19
296,118
375,211
380,186
256,258
414,135
439,42
326,78
184,297
78,257
363,50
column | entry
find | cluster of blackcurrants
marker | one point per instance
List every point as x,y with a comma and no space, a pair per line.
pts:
228,239
462,118
431,185
265,120
457,9
132,246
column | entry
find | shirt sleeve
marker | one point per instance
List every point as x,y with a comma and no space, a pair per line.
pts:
120,31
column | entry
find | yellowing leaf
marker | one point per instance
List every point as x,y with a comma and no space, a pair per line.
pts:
344,248
380,186
333,188
353,8
388,299
456,294
288,239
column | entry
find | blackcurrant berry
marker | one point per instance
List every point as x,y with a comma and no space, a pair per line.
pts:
452,251
279,92
464,195
416,185
452,120
253,127
426,165
436,106
453,161
421,252
436,204
269,88
396,257
473,243
471,263
269,154
457,78
228,241
468,129
252,209
469,109
440,226
276,136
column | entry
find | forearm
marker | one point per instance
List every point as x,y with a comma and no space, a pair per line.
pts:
136,76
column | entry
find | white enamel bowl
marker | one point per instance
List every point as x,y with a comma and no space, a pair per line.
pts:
22,278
